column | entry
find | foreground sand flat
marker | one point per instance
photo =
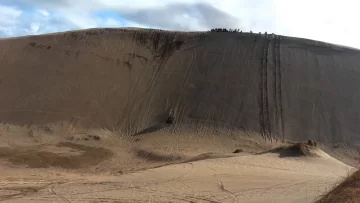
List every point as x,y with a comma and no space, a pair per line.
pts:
245,178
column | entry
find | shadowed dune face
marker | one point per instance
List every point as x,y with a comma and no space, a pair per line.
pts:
131,80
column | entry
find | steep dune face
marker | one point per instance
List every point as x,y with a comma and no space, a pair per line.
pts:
320,90
131,80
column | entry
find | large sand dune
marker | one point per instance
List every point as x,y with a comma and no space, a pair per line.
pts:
83,116
130,80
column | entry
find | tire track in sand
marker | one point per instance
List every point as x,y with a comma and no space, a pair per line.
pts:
221,185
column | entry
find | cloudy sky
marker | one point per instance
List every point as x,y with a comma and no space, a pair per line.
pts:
332,21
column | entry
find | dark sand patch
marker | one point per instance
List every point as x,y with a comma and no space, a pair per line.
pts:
157,157
294,150
17,192
43,159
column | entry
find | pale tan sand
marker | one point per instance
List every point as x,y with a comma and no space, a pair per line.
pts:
245,178
129,176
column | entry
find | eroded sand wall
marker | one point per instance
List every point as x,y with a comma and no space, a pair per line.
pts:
133,79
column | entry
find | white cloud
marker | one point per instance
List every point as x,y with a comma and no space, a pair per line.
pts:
34,27
111,22
43,12
78,19
16,22
327,20
9,15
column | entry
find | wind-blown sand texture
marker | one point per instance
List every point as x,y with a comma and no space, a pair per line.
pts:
84,115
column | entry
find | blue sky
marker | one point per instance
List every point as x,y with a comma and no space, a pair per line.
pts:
325,20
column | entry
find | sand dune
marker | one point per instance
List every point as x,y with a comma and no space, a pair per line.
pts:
131,80
83,116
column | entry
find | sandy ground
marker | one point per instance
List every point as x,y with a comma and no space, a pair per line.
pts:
43,167
246,178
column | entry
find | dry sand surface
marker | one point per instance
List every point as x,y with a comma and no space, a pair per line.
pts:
83,117
49,168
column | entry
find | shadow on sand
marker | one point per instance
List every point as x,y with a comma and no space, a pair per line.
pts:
295,150
152,129
156,157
